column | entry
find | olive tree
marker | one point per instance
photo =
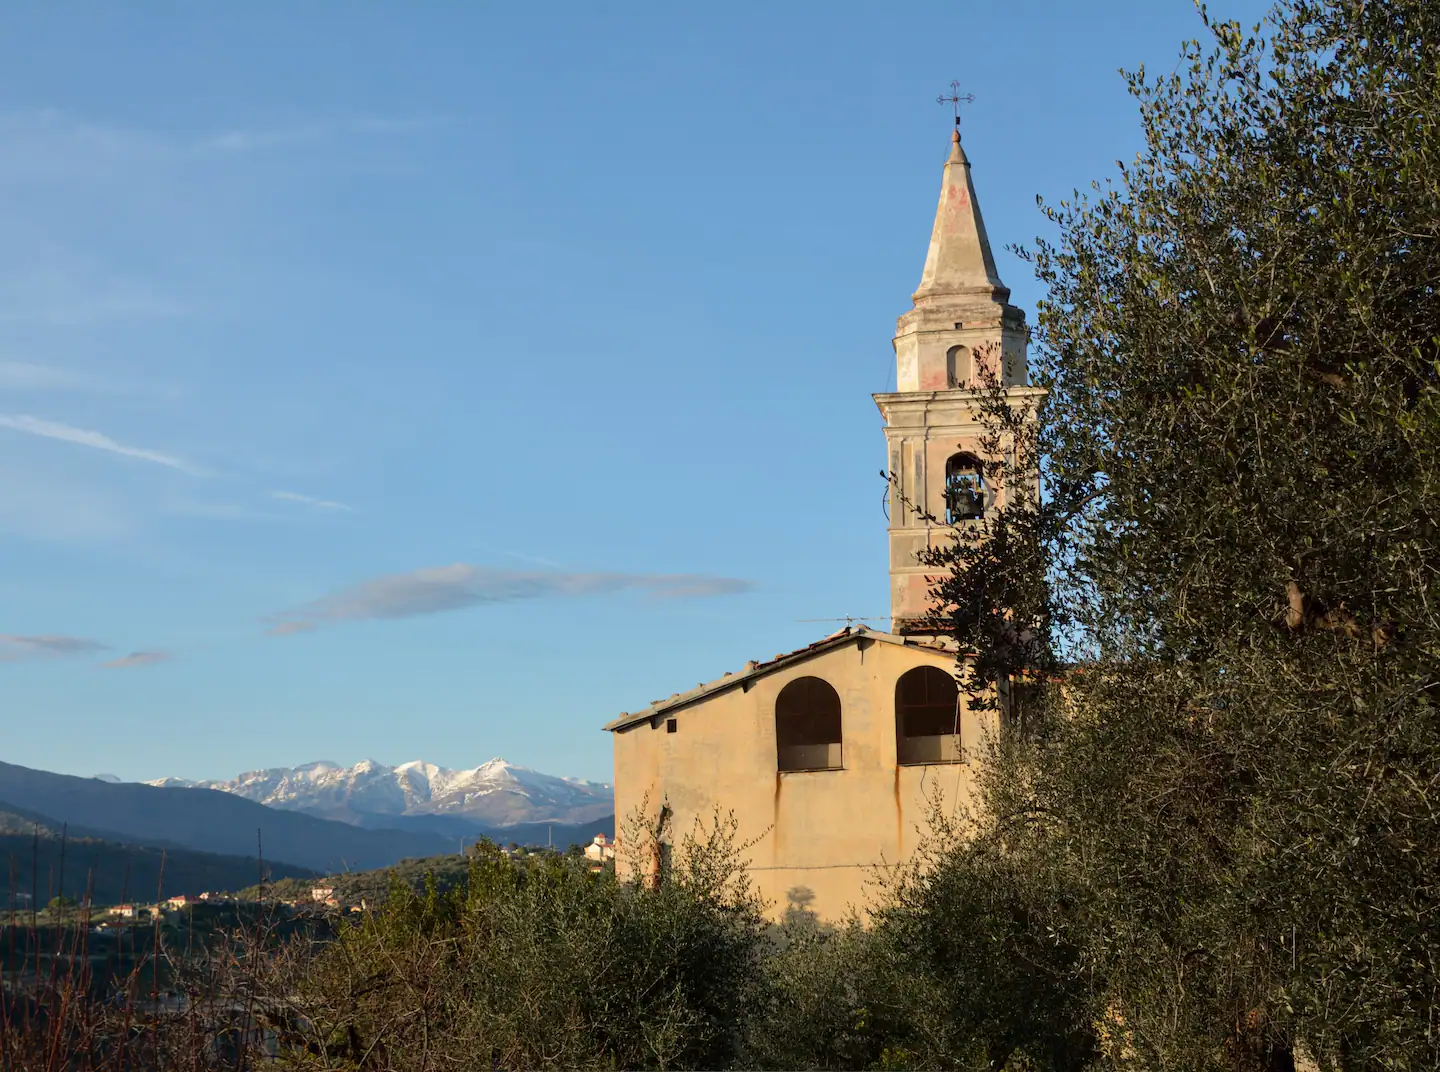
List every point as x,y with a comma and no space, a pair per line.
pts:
1218,615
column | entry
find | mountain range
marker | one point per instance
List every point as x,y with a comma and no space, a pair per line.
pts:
211,822
382,815
420,795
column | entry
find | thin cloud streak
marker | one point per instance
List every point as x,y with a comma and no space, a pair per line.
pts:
26,376
31,376
15,648
254,140
86,438
533,558
308,500
455,587
291,628
68,289
138,658
50,144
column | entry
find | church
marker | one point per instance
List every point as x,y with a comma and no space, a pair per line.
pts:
828,756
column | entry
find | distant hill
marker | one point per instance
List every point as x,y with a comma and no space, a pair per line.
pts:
374,886
467,831
560,835
17,820
210,821
41,857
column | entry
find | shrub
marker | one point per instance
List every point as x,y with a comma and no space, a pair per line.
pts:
542,962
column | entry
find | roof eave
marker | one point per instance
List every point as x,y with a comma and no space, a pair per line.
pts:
714,688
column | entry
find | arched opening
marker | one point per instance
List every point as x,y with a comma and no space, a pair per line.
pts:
927,717
959,366
964,488
807,726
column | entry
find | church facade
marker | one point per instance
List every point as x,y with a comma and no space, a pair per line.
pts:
829,756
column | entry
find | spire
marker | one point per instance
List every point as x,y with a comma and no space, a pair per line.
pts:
959,262
961,328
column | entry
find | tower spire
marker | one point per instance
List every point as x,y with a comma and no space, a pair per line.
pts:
959,261
961,330
961,310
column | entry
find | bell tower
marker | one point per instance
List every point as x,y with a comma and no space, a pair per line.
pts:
961,324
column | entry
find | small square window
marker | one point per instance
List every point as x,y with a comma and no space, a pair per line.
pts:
670,726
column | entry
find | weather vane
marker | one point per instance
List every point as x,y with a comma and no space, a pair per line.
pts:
956,99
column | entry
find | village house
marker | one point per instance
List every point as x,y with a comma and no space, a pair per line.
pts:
322,894
183,900
600,849
829,756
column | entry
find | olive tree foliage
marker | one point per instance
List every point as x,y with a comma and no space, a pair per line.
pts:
543,963
958,967
1220,614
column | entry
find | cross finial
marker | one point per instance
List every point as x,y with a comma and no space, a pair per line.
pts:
956,98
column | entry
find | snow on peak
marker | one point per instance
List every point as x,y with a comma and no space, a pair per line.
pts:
495,793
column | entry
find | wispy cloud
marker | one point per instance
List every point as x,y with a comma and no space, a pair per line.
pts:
14,649
26,376
442,588
69,289
51,144
98,440
91,185
138,658
307,500
218,511
33,376
43,505
258,138
290,628
549,562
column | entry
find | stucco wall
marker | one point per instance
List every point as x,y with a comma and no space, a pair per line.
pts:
820,832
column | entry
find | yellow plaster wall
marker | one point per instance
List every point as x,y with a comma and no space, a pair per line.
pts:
819,831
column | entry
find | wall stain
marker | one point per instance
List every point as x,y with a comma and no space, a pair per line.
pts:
775,842
899,817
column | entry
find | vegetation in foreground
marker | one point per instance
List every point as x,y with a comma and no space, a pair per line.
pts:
529,961
1209,834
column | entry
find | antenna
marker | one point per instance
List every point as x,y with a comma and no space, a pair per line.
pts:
956,99
847,619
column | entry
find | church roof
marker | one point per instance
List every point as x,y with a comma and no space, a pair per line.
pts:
959,261
755,669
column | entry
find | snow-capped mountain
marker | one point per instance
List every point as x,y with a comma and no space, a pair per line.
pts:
493,794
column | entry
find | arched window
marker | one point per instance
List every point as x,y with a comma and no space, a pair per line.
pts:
958,366
807,726
927,717
964,488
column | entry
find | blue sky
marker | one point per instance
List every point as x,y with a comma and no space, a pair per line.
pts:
425,382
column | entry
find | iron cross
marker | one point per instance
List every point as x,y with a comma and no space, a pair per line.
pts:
956,99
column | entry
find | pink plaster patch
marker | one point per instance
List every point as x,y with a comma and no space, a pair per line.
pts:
933,380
